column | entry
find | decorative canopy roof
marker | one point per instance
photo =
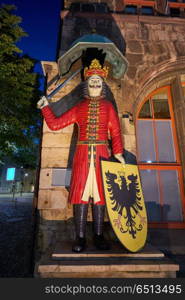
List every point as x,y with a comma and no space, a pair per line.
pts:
113,54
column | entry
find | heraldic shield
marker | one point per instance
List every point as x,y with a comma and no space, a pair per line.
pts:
125,203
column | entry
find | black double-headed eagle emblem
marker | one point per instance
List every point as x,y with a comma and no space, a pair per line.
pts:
125,198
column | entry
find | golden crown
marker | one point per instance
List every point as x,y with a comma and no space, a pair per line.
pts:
95,68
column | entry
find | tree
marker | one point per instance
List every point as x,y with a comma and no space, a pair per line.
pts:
19,92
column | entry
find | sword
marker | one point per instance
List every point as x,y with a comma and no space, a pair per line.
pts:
60,86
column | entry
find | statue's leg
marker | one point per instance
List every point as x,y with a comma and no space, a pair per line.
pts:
80,219
98,212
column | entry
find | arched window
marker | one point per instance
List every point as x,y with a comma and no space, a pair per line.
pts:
158,159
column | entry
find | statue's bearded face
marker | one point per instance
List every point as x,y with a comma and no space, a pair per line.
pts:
95,84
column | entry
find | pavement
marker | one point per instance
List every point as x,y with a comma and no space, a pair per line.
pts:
17,196
16,235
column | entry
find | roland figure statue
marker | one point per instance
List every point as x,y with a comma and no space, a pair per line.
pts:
96,119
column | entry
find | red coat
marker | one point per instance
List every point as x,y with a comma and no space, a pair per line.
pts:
95,118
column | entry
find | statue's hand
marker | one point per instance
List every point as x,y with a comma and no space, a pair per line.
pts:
119,157
42,102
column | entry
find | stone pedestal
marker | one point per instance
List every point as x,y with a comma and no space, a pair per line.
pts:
115,263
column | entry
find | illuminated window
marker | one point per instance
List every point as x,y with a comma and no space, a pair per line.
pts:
131,9
158,158
154,130
147,10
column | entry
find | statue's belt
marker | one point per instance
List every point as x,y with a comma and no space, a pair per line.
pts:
92,142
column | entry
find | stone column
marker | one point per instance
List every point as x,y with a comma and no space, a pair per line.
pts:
179,112
128,131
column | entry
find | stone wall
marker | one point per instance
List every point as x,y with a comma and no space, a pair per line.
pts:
149,42
153,46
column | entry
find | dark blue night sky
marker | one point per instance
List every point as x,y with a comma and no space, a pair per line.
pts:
41,20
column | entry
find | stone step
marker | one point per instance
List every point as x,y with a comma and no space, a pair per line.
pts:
63,250
115,263
125,268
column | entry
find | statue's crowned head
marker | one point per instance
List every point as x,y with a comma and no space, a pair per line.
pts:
95,75
95,68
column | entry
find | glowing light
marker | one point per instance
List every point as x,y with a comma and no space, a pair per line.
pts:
10,175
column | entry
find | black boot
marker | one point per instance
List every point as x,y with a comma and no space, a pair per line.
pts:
79,244
80,218
98,219
100,242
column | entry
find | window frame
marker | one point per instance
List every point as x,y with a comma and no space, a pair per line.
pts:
162,165
173,126
183,85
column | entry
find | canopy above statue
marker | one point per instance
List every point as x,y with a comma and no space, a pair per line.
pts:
113,55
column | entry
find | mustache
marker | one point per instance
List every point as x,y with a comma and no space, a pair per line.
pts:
95,86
